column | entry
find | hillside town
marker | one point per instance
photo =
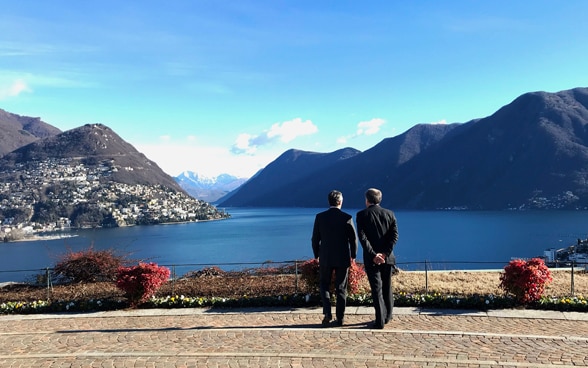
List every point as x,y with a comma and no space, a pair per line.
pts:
575,254
58,194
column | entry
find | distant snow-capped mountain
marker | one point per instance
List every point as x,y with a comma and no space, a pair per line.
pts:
206,188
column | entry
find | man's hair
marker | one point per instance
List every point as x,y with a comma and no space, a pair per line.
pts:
373,196
335,198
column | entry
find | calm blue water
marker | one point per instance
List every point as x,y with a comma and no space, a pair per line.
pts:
447,240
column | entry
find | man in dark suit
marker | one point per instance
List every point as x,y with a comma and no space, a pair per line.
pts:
334,244
378,233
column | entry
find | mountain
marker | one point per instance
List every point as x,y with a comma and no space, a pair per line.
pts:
93,144
208,189
287,171
89,177
303,179
531,153
17,131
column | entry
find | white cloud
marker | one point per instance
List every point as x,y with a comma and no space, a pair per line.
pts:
290,130
284,132
13,84
176,156
243,144
14,89
369,127
364,128
440,122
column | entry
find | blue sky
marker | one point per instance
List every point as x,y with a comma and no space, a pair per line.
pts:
227,86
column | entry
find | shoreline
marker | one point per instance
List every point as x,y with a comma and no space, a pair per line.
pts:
42,237
37,237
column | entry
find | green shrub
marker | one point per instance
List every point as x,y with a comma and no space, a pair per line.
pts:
142,281
89,265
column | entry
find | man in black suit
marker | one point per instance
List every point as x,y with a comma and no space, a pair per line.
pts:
378,233
334,245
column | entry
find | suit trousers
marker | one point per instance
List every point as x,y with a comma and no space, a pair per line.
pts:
380,278
326,274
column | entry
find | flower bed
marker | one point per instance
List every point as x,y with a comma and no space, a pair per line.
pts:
451,289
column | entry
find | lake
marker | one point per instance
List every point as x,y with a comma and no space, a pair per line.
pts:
445,239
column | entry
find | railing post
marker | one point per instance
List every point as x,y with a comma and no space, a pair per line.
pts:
426,277
48,280
173,279
296,276
572,281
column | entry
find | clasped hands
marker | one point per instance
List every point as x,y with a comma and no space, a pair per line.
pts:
379,259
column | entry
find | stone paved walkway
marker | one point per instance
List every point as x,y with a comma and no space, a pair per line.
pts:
294,338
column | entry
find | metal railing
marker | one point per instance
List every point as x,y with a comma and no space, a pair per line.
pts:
45,276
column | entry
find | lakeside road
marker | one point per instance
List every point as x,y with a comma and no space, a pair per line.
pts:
293,338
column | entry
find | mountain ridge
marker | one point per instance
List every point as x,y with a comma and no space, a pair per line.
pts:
531,153
89,177
289,168
91,144
17,131
206,188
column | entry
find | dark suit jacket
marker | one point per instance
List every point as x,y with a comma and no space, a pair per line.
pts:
377,232
334,240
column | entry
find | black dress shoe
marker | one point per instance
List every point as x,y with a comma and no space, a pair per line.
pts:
326,321
339,322
376,325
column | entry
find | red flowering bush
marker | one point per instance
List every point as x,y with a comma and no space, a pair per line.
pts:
356,275
309,272
141,282
526,280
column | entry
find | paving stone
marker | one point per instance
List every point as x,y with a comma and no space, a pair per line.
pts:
265,337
